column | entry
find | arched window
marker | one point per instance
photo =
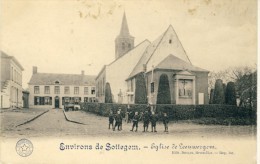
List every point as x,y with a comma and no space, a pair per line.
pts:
123,46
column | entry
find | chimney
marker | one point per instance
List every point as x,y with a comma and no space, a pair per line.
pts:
34,70
82,72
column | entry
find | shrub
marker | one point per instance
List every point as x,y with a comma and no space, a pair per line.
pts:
163,96
140,90
108,94
211,96
219,97
230,94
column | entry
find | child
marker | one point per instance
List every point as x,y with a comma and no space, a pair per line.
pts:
111,120
153,121
135,121
165,122
118,119
146,118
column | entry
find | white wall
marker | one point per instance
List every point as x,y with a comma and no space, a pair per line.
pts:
119,71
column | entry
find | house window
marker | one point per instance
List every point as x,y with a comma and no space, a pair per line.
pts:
36,89
85,90
92,90
129,46
152,87
57,82
66,90
76,90
47,100
77,100
47,89
170,41
56,90
85,99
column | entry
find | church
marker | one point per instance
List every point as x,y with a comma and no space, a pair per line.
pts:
165,56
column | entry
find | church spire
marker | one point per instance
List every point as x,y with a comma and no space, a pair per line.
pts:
124,41
124,27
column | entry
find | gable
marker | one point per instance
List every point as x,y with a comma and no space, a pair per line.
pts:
169,44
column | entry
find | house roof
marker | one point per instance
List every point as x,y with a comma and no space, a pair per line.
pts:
4,55
175,63
63,79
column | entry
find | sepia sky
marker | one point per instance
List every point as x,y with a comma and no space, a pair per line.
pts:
67,36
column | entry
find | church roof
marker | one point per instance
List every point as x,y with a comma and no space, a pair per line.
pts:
63,79
175,63
124,32
145,57
158,49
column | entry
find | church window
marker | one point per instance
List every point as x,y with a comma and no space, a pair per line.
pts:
123,46
152,87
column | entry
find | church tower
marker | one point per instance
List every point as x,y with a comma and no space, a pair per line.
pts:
124,42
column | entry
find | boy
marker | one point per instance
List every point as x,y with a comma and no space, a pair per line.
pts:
153,121
118,119
146,118
165,122
111,120
135,121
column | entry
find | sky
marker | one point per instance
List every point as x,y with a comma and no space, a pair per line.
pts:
67,36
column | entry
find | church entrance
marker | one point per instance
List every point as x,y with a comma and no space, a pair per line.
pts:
57,102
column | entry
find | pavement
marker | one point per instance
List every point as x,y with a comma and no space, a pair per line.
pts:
54,124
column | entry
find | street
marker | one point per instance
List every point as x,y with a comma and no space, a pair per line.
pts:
54,124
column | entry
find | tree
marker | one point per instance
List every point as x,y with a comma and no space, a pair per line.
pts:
140,89
108,94
219,97
230,96
164,95
211,96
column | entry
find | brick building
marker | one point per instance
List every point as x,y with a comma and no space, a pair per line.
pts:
165,56
53,90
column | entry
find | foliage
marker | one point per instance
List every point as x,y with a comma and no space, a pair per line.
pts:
218,97
230,96
140,90
211,96
164,95
108,94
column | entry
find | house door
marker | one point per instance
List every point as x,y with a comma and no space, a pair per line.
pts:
57,102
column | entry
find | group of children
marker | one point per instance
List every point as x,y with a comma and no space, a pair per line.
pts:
146,117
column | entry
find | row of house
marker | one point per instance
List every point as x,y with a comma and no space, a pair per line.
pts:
165,56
